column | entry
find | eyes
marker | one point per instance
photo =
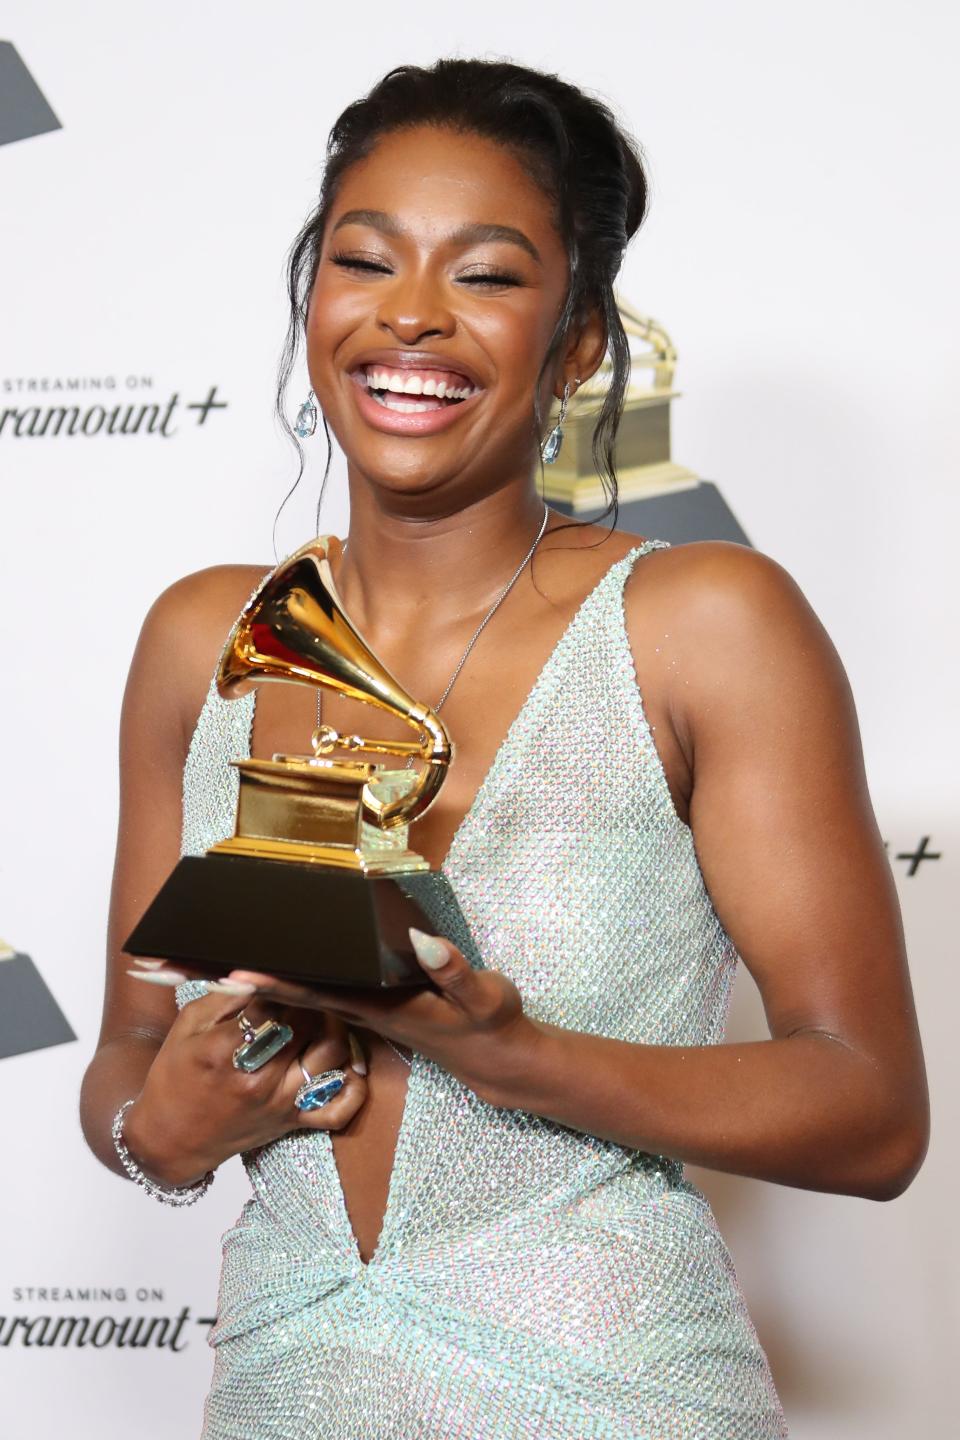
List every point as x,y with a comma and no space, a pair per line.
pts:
491,278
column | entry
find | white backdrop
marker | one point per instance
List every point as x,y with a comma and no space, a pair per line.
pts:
800,249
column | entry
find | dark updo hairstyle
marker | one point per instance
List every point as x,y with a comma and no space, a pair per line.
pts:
568,142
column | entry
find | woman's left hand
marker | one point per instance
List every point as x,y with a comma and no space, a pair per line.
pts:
469,1021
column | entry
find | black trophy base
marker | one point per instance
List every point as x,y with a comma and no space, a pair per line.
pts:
307,923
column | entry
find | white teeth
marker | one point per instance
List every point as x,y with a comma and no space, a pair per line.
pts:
391,382
404,407
361,378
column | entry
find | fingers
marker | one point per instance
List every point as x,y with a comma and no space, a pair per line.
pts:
281,992
215,1008
446,967
158,972
337,1113
335,1056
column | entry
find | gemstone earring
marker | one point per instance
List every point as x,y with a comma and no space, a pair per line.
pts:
306,421
550,448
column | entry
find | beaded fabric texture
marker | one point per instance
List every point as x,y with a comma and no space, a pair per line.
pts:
529,1281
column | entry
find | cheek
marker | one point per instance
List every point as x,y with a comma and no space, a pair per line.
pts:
516,340
332,316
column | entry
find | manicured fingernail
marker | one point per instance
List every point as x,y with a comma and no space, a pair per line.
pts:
431,951
158,977
358,1062
148,964
230,987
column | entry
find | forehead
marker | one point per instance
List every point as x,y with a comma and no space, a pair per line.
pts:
435,180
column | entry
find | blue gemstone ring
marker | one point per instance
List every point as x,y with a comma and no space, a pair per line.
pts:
260,1043
318,1090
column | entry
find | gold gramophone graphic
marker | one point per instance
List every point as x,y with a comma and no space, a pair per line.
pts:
645,466
311,884
297,807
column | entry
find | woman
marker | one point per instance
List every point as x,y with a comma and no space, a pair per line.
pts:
487,1231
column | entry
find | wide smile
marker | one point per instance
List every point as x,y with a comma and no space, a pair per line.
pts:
412,400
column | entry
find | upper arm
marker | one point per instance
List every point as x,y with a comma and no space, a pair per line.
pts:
168,680
782,822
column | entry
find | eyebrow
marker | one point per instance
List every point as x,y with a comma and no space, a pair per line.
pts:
478,233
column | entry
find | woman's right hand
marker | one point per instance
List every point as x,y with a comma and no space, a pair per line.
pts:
196,1109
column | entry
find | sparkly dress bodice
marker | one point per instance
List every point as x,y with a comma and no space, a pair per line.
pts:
529,1280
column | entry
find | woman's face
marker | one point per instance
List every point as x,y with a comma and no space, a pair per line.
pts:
439,285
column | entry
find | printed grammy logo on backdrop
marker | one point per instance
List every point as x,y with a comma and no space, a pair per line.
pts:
658,496
30,1018
50,408
24,111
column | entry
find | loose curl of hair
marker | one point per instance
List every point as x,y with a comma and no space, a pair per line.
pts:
571,145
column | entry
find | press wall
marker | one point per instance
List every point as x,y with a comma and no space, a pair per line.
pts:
801,252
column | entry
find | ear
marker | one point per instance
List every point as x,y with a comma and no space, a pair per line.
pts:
584,351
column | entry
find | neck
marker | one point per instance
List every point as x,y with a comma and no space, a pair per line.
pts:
396,565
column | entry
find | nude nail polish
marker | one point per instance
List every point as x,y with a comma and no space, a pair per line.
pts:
431,951
158,977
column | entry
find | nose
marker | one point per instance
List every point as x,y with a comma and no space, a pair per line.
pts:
412,310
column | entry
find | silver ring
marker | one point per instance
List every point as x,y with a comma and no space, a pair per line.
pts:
318,1090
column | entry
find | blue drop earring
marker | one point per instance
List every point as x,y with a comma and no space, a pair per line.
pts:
306,421
550,448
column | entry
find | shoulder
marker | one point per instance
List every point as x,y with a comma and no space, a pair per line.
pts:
717,587
189,620
724,629
183,633
203,598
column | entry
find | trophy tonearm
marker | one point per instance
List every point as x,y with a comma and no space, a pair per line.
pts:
315,808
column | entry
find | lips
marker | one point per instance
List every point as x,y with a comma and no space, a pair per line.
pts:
404,393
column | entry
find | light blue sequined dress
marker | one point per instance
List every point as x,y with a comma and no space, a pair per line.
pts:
529,1281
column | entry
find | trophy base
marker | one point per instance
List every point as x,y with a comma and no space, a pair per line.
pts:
341,857
303,922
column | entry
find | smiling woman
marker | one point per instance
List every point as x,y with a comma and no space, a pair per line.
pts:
482,1226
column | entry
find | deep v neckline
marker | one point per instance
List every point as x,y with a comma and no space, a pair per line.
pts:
490,774
394,1206
503,749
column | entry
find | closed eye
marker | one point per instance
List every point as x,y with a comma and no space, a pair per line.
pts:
491,277
353,262
495,278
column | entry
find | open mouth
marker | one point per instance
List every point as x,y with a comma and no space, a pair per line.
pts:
415,392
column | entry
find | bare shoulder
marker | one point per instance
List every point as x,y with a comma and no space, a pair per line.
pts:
720,592
720,629
183,634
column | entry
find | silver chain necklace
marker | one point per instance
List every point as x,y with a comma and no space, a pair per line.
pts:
460,664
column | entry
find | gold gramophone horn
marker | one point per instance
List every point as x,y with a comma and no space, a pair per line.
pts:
294,628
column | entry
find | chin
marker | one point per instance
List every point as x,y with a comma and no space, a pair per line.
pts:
409,479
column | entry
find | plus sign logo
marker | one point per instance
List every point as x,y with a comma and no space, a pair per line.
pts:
24,112
204,407
915,858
